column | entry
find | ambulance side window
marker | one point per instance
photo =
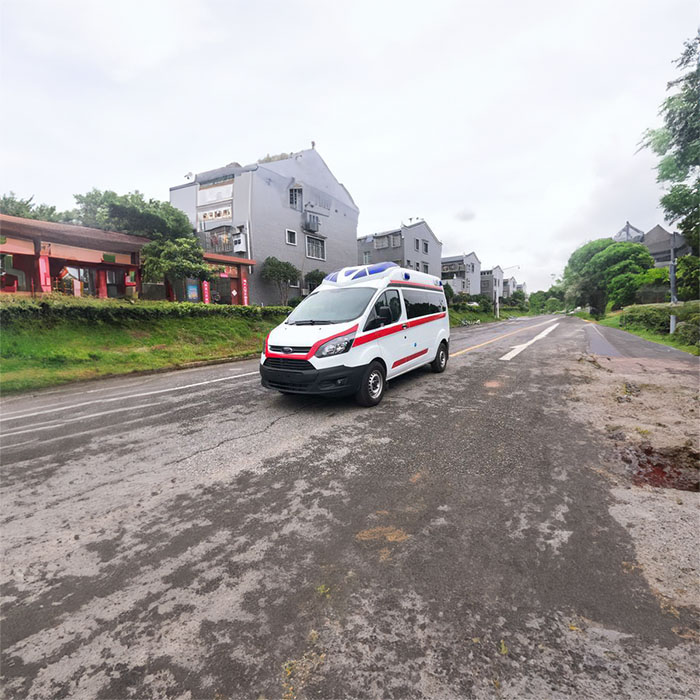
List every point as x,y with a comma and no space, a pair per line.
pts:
389,298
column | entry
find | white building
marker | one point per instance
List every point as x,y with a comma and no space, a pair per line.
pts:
290,207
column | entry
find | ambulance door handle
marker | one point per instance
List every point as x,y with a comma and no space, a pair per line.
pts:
405,326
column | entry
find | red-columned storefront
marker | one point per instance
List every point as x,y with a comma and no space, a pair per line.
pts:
43,256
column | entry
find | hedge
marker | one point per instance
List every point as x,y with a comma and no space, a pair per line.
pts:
61,308
657,318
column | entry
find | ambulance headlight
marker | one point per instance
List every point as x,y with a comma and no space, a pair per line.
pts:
337,346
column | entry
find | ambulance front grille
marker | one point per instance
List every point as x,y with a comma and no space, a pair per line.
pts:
287,364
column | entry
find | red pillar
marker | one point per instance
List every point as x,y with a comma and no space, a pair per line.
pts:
44,274
245,297
102,284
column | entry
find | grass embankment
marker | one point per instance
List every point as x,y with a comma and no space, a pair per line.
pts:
612,320
45,354
54,340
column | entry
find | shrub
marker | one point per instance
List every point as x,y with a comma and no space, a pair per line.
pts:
658,318
688,332
59,308
651,318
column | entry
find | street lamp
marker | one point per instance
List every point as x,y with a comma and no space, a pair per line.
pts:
672,280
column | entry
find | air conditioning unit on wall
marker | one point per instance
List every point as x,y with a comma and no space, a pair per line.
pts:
311,223
239,244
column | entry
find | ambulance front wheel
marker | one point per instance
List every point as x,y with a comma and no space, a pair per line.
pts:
440,362
372,385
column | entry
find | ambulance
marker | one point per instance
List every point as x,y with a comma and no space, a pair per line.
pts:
361,327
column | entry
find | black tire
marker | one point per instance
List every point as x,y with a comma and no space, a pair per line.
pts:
439,364
372,385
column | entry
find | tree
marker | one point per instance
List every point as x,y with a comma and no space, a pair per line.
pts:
553,304
688,275
537,301
280,273
449,293
12,205
590,274
677,144
314,278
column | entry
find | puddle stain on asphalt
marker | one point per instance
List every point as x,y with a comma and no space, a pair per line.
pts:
388,533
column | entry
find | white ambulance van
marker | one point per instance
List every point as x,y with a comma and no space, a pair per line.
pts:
361,327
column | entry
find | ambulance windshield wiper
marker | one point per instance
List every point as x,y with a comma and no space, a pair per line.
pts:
311,322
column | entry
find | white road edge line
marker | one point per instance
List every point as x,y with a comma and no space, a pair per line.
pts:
81,418
126,397
517,349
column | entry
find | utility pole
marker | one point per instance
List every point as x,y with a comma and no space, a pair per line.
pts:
672,279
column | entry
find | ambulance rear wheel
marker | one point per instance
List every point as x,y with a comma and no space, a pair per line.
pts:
372,385
440,362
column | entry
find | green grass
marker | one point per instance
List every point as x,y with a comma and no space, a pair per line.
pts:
36,354
613,321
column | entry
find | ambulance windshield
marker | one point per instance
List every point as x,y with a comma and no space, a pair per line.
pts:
331,306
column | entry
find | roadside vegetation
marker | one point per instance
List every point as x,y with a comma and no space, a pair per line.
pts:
57,340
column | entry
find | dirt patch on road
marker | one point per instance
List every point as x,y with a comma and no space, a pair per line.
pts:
649,410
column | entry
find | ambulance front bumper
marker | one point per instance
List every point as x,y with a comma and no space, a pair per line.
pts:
309,380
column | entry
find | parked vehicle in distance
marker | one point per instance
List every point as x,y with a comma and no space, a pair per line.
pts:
361,327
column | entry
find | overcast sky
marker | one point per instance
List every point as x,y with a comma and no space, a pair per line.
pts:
511,126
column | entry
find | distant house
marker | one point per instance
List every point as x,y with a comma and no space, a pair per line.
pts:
413,245
462,273
290,207
521,287
629,234
658,241
492,283
509,286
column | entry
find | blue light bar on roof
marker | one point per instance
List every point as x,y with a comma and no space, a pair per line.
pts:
333,277
360,273
347,273
380,267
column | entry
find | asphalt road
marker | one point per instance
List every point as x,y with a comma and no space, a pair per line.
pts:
192,535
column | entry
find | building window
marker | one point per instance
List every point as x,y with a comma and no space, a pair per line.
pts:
425,246
315,248
365,258
294,284
395,240
381,242
295,198
425,267
408,263
416,244
291,237
418,266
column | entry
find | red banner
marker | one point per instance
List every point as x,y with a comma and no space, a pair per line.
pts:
206,298
244,285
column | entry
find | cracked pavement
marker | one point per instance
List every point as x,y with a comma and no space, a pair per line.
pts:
224,541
